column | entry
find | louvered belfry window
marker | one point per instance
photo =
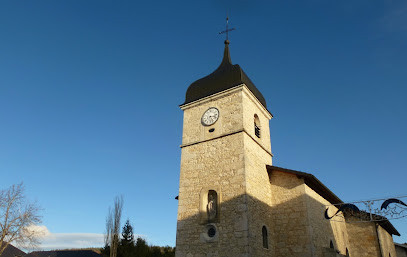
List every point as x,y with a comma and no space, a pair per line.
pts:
257,126
257,131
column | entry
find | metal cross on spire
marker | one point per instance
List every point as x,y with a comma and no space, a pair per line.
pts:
227,31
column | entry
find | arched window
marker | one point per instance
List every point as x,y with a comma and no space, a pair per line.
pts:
265,237
331,244
347,252
257,126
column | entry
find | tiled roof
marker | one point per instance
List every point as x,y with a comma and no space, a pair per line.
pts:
64,253
12,251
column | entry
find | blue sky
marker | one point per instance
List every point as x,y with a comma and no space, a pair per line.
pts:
89,95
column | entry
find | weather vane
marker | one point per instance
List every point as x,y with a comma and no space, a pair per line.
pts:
227,30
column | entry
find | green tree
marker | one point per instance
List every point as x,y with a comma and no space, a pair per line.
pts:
105,251
169,251
142,249
127,234
127,247
155,251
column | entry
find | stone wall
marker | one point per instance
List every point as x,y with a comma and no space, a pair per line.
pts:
363,239
401,250
323,230
229,158
230,106
232,161
386,242
251,107
257,155
291,234
299,225
216,165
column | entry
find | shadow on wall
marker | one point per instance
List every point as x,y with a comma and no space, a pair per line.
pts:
293,229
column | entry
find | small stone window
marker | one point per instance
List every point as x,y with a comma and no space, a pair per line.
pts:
331,245
347,252
257,126
265,237
211,231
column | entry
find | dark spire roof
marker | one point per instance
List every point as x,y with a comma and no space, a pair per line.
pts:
224,77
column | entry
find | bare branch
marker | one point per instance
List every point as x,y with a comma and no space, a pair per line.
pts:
113,226
109,226
16,215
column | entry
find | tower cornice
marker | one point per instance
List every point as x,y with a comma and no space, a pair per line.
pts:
229,134
241,87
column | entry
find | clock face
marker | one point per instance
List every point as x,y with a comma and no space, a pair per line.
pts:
210,116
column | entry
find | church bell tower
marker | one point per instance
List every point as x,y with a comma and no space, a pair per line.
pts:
224,193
